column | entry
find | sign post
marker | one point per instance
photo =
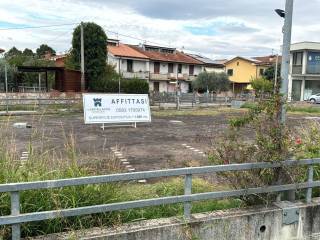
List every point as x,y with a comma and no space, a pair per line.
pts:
116,109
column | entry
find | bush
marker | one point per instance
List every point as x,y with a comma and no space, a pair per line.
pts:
262,86
137,86
130,86
272,143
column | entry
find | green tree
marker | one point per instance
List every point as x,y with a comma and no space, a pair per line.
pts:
11,73
28,52
15,58
12,52
262,86
44,49
212,81
109,82
95,53
270,72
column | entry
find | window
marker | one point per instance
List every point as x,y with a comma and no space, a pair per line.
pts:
170,68
313,63
129,65
238,63
157,67
156,86
297,58
261,71
180,68
230,72
191,70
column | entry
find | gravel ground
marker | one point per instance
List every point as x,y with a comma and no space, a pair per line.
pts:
168,142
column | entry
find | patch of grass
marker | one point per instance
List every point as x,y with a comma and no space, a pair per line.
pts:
192,112
304,109
249,105
54,107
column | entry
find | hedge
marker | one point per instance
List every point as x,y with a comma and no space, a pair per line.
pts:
137,86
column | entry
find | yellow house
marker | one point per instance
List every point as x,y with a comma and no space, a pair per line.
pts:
242,70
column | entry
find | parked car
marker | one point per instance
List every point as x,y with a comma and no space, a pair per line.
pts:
315,98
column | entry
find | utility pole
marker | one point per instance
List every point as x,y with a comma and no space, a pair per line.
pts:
276,73
120,60
287,28
6,86
83,83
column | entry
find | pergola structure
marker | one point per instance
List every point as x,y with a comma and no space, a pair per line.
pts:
66,80
36,69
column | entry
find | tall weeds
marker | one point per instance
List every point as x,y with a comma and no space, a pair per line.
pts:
48,161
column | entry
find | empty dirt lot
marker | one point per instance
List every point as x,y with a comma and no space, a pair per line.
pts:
173,139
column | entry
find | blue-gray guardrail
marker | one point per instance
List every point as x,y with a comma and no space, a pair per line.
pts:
16,218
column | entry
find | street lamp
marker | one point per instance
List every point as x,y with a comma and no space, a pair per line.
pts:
280,12
287,15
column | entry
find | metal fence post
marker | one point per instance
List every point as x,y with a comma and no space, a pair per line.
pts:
310,180
187,191
15,210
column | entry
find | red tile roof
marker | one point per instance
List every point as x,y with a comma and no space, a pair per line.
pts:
131,51
179,57
271,59
123,50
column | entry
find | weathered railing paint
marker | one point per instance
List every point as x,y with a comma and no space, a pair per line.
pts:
15,219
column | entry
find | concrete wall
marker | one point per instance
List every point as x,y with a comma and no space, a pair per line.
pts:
246,224
54,94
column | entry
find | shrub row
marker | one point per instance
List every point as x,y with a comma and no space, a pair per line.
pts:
137,86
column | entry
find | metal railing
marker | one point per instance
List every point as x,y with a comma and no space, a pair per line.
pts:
16,218
188,99
13,103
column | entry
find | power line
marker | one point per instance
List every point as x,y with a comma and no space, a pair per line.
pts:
129,36
32,27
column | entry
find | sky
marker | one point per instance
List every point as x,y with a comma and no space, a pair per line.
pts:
214,28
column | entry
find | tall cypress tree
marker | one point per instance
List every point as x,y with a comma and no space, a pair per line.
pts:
95,52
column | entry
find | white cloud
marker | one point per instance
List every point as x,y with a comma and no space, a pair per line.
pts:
247,28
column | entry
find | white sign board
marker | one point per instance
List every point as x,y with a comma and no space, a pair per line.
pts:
116,108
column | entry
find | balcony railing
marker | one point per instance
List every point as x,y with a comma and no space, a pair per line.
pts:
15,189
171,76
140,75
297,69
159,76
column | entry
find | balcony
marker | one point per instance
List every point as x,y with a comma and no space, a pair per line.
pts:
171,76
160,76
297,69
140,75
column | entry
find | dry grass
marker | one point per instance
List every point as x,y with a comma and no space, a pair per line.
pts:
195,112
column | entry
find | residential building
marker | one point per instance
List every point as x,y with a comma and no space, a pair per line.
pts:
209,65
242,71
59,59
166,69
304,77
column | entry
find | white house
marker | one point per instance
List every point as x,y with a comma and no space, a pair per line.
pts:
209,65
304,78
166,69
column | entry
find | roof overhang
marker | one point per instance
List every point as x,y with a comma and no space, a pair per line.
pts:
242,58
305,46
38,69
